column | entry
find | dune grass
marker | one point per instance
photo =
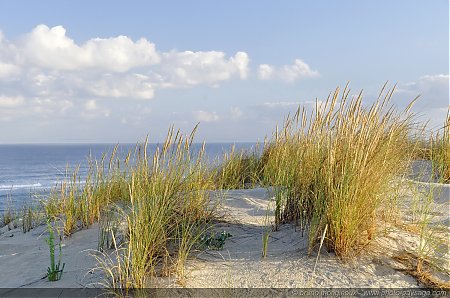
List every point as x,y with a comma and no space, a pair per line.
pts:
169,207
239,169
163,201
79,205
332,170
10,213
440,151
334,167
427,258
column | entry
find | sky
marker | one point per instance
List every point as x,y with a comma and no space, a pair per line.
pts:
115,71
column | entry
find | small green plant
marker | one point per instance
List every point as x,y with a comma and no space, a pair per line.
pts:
266,232
266,235
213,241
54,272
265,241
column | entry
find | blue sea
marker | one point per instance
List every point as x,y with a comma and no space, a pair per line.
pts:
29,172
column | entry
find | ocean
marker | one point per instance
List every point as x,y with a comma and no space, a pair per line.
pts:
29,172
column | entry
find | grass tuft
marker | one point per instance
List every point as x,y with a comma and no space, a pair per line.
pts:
166,210
239,169
333,167
440,151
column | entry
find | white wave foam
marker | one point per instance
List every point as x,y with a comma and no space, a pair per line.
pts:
12,186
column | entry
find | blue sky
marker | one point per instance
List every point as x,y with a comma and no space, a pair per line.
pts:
114,72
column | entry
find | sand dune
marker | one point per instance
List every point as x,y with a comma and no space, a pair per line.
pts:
24,258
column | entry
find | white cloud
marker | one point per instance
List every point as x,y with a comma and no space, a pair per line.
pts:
93,110
281,104
8,59
288,73
265,72
48,63
241,60
11,101
49,72
45,107
41,107
135,86
193,68
276,111
293,104
236,113
204,116
8,70
433,90
51,48
90,105
434,97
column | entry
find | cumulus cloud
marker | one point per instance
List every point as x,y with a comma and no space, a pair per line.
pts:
265,72
205,116
9,67
51,48
240,61
288,73
47,63
8,70
193,68
48,72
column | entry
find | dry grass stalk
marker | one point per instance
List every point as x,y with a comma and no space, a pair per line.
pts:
336,166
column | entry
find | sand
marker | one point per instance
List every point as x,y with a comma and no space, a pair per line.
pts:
24,258
287,264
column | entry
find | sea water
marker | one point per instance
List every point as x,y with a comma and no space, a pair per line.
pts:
29,172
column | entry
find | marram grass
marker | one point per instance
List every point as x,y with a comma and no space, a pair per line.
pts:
334,167
239,169
331,169
164,200
440,151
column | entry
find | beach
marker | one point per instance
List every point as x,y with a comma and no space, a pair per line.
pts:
25,256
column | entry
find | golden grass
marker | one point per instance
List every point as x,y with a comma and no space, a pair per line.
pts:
440,151
332,170
239,169
334,167
421,269
165,204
